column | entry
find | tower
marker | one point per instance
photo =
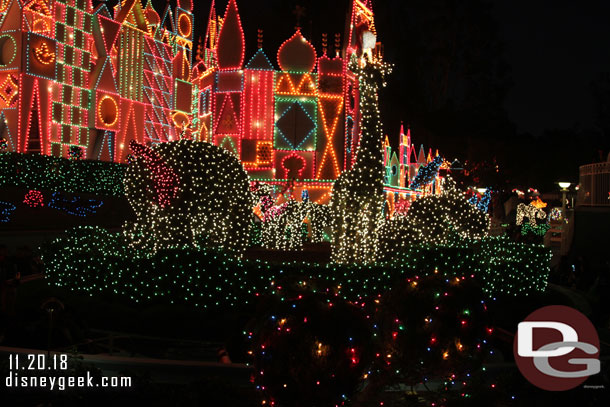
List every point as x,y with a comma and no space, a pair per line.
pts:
296,110
228,88
405,156
359,39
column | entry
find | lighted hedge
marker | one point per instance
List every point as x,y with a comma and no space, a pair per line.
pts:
42,172
93,261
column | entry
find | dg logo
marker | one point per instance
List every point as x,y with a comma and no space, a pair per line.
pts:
557,348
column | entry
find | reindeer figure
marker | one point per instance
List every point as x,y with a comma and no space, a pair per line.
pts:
357,200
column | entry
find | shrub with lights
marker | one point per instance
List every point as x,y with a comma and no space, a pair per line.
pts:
287,226
282,225
309,350
427,174
39,172
187,194
430,328
96,262
435,219
6,211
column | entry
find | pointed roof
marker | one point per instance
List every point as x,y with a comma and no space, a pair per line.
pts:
421,158
231,44
210,39
167,21
151,14
260,62
360,17
102,10
12,17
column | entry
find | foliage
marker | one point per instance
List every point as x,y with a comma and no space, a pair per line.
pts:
429,328
427,173
435,219
95,262
39,172
187,193
309,349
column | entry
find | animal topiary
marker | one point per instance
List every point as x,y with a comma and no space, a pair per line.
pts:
187,193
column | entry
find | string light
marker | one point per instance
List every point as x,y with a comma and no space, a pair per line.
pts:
531,212
76,205
6,210
34,199
181,199
357,201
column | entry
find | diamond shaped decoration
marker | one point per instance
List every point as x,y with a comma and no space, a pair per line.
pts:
295,126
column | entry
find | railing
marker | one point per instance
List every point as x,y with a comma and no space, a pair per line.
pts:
594,185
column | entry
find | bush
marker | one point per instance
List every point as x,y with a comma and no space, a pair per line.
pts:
309,349
41,172
93,261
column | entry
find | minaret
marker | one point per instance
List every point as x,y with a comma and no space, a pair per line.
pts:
231,44
405,156
360,19
228,110
211,35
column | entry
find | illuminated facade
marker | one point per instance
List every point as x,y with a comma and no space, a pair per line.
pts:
401,169
74,77
294,127
78,80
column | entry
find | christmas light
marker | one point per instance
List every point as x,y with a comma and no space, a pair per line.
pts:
531,212
6,210
357,201
76,205
181,199
34,199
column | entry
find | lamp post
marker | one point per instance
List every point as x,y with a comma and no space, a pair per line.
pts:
564,189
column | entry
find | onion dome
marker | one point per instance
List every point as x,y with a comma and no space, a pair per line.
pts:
296,54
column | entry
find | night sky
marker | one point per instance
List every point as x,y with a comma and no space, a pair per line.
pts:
556,48
547,54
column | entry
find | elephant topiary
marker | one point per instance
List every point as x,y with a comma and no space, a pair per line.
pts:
187,194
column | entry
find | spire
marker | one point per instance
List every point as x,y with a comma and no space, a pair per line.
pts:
360,18
231,44
259,39
209,44
421,158
186,5
200,53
